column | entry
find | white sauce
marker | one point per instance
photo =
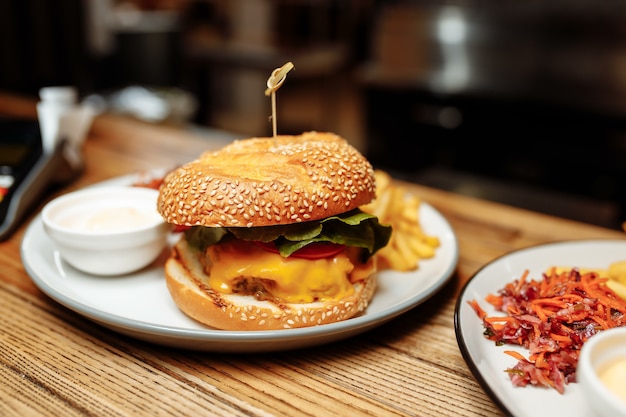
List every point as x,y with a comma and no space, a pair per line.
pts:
111,219
614,377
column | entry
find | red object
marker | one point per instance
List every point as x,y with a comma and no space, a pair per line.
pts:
318,250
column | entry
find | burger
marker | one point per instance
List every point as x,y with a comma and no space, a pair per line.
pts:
272,236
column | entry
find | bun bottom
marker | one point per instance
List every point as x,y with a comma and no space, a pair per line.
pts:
187,284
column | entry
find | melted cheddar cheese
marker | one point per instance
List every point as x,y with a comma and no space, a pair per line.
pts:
291,280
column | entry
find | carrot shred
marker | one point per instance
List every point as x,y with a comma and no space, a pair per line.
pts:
494,300
560,338
515,354
552,318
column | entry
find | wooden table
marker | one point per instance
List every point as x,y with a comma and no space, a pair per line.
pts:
55,362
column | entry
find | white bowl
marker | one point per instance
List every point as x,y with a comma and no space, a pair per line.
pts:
107,230
598,355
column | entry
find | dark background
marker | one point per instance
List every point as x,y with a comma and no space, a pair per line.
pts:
519,102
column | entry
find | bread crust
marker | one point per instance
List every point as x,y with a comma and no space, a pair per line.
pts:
188,286
268,181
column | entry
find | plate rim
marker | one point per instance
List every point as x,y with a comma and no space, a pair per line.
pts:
225,336
461,340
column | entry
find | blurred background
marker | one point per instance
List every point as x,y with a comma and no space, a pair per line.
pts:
522,102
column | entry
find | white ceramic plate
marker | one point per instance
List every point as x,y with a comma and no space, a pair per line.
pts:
139,304
488,361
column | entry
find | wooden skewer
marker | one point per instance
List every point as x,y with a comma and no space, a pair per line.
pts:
276,79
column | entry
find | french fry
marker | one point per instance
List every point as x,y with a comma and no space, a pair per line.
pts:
617,272
390,259
408,244
617,287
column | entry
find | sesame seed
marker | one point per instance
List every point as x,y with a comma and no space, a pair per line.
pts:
203,192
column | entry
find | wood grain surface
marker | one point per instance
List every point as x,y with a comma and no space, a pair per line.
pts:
54,362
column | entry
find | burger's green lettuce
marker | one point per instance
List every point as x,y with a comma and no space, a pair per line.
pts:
354,228
202,237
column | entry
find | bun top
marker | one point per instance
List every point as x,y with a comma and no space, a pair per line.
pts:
267,182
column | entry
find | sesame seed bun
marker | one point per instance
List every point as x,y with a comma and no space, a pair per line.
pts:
268,181
188,285
262,182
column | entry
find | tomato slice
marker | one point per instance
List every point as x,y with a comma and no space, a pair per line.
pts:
316,250
180,229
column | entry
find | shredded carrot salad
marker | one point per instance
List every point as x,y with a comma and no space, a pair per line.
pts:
552,318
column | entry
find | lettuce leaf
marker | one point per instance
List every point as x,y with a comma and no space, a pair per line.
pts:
201,237
354,228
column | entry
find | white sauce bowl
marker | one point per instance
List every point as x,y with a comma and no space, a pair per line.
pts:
597,356
107,230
